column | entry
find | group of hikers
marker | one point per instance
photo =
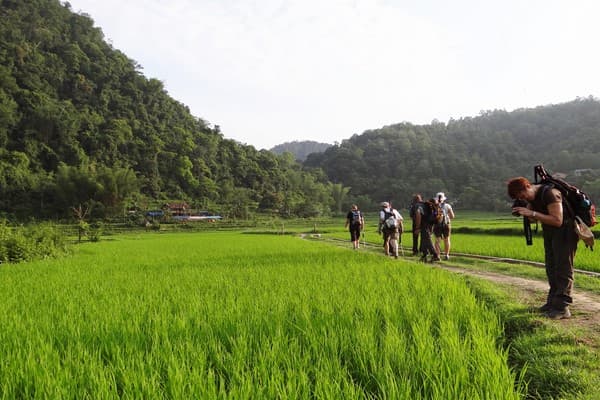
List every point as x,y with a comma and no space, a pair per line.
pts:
564,211
430,219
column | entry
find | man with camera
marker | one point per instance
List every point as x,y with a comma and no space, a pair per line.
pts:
543,203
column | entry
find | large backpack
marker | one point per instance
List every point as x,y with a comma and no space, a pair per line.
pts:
356,218
432,212
578,203
389,219
439,214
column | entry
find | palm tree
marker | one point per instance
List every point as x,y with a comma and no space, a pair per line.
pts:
339,193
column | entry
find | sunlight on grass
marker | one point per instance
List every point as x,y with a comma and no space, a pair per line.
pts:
243,316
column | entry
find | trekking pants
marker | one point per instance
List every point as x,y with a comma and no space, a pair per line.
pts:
560,245
427,246
415,236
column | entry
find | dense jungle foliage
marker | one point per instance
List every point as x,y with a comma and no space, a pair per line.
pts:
80,124
470,159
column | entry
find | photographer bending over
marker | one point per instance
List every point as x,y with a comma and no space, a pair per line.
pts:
545,204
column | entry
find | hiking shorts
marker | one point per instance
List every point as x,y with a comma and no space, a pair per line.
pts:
354,232
393,234
442,230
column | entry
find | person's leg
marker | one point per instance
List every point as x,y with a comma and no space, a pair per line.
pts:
353,237
549,266
395,243
447,242
415,238
386,242
437,238
427,245
564,246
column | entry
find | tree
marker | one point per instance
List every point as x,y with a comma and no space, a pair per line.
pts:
339,193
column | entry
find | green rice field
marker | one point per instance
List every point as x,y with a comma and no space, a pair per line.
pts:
244,316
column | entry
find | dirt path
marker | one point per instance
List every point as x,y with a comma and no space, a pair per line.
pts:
585,308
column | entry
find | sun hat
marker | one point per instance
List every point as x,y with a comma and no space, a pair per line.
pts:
440,196
385,204
584,232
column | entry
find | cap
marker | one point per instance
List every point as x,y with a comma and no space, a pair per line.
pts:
385,204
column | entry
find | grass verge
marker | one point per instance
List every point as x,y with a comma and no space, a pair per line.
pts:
558,359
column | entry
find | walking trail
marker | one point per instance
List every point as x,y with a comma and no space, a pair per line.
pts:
585,308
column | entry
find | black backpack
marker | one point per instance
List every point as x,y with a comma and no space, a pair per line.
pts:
356,218
430,212
578,203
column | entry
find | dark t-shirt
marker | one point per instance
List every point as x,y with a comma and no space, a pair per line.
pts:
544,197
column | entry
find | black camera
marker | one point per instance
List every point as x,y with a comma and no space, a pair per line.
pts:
518,203
526,223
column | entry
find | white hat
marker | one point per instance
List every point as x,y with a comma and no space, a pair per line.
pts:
385,204
440,196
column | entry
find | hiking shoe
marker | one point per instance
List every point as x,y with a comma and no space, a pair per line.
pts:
434,259
545,308
446,256
559,314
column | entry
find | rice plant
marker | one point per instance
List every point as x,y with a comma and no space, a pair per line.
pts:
226,315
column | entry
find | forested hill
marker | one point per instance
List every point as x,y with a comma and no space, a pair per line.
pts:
81,124
302,149
471,158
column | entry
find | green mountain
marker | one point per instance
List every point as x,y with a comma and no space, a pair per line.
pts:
469,159
300,149
80,124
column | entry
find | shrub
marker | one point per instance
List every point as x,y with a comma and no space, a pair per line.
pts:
22,243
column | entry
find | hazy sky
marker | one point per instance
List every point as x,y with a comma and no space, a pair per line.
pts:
274,71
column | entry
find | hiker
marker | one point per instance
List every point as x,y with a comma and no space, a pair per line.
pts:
416,211
442,229
427,221
356,222
390,224
545,204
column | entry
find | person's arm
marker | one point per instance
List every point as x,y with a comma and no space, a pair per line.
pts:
418,220
450,212
554,216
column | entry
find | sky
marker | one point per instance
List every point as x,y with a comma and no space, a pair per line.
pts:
274,71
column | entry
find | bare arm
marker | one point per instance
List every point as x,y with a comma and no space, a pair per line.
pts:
553,218
418,220
450,212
